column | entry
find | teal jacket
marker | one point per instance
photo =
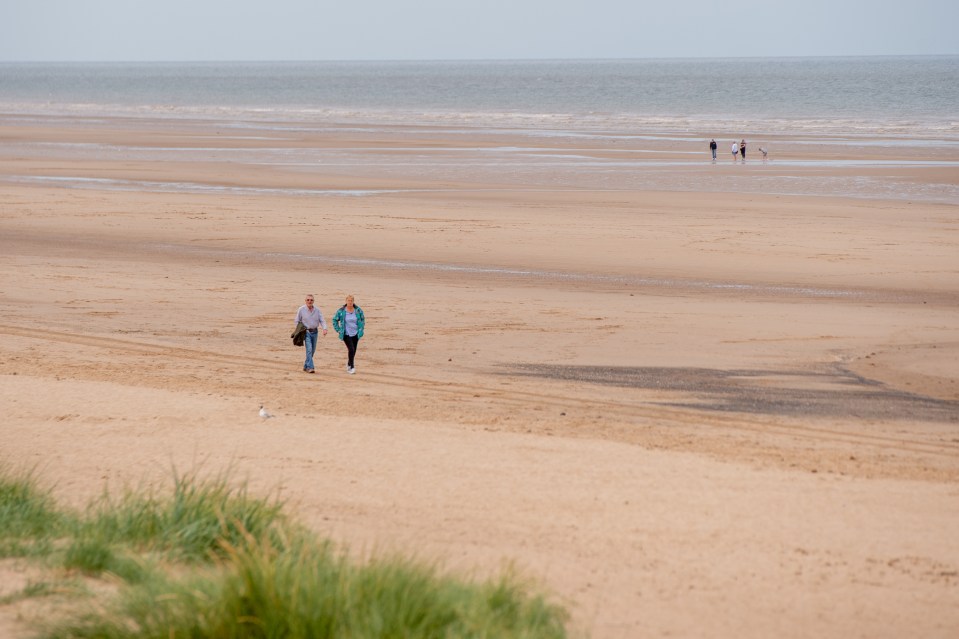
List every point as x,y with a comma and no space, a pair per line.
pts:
339,321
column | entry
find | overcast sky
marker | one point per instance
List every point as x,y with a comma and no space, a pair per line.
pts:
175,30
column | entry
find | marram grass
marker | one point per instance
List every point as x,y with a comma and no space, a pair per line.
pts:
209,560
29,519
191,523
309,592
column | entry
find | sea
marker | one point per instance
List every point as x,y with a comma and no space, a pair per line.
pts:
908,103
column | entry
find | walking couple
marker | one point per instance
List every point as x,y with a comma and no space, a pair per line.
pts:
348,322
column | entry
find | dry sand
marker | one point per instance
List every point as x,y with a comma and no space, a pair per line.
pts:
685,414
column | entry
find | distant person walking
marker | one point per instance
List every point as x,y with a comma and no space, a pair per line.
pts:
349,322
712,147
742,149
735,150
312,319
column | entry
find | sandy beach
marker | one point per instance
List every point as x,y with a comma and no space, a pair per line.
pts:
690,411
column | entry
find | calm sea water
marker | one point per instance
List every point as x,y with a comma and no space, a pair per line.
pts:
910,105
911,96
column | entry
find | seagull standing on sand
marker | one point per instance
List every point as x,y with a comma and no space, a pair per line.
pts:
263,413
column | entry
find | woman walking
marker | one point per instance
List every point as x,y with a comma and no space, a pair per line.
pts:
348,322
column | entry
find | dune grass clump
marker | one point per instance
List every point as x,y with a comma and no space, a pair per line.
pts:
209,560
192,523
29,518
310,591
313,591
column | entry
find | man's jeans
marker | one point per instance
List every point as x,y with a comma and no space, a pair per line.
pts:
309,342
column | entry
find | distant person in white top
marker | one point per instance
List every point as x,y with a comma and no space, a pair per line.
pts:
312,318
735,150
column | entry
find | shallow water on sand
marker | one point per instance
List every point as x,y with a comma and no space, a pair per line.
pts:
870,127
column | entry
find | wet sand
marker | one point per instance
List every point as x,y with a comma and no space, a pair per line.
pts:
690,412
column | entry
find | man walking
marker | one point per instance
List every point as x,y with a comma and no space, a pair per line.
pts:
712,147
312,319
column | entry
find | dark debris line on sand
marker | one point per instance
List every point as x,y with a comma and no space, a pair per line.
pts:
837,392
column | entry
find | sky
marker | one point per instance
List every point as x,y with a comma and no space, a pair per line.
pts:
200,30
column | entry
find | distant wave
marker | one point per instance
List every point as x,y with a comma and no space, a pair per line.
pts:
293,119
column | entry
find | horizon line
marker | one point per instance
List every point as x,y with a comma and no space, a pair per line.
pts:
473,60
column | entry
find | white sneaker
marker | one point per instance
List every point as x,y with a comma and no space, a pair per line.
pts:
351,371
